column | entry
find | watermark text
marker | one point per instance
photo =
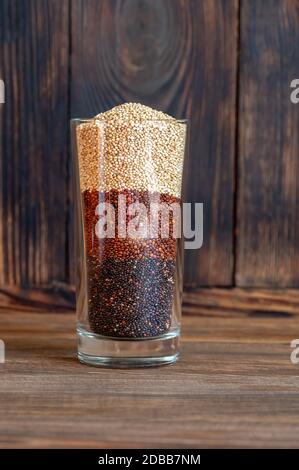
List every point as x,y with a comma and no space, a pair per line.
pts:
2,352
2,92
294,357
154,220
294,96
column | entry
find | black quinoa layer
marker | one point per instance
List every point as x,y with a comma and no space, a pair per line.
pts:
130,298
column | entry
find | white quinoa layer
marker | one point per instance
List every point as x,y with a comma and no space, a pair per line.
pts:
131,147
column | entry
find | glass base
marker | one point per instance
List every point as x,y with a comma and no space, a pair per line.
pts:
97,350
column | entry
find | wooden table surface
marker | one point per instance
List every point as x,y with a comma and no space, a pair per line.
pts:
234,386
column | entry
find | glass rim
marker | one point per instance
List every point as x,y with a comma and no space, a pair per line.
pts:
178,121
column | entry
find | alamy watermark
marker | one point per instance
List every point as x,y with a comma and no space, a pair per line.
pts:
294,357
294,96
2,92
154,220
2,351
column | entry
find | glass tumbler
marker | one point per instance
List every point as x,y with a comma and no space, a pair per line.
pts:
129,249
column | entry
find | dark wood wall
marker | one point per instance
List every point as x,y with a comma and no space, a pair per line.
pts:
226,64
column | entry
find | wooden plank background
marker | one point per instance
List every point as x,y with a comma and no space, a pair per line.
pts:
179,56
34,46
268,158
225,64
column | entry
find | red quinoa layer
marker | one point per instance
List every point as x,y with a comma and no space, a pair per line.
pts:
128,248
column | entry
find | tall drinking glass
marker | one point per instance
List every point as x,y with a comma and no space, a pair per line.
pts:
129,253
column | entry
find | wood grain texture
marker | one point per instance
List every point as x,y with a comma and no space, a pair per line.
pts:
60,297
57,297
236,301
179,56
80,57
34,137
268,198
234,386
